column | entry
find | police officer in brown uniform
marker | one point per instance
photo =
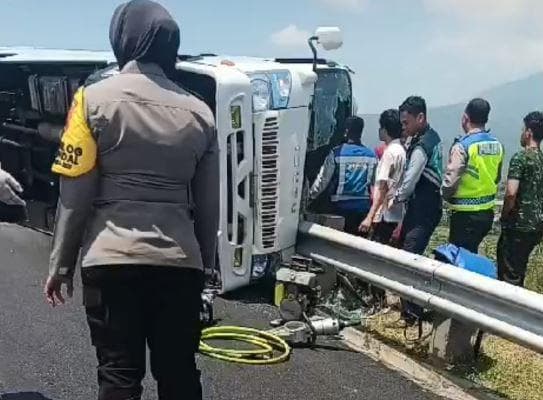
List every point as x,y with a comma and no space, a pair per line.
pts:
139,197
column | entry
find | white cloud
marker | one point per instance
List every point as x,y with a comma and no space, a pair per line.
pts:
499,39
503,54
349,5
290,37
484,10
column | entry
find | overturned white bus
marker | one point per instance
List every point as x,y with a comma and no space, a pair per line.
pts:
276,121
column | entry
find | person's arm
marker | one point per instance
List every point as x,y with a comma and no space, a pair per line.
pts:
510,199
416,166
73,209
499,177
512,187
380,176
78,186
324,177
379,196
456,167
206,196
10,189
373,180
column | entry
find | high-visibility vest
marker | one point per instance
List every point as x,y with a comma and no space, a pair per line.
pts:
355,169
478,185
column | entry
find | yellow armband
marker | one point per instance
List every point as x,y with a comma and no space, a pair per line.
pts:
77,152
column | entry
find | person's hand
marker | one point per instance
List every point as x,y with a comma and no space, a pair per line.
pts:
507,218
366,225
9,189
53,289
395,239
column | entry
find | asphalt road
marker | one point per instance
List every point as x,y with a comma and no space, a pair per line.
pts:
45,354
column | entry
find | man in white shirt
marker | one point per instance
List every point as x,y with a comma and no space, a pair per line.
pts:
385,215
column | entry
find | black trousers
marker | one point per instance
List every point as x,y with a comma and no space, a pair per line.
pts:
514,250
420,221
418,227
129,307
382,232
352,221
468,229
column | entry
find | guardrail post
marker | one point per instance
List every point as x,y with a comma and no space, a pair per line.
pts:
451,340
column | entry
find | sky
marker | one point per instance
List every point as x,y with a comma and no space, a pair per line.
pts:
444,50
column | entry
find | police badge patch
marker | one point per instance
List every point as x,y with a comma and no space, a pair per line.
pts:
77,151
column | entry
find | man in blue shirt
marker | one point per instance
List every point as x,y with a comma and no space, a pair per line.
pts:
347,177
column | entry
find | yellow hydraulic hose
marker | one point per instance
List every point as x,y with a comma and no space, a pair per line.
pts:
265,342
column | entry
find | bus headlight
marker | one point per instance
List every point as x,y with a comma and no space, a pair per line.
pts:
281,84
271,90
261,93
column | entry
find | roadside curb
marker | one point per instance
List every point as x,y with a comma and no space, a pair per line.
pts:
440,383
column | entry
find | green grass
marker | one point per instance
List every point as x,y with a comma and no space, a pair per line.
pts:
508,369
534,277
503,367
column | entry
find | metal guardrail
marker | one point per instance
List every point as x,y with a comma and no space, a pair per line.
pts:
502,309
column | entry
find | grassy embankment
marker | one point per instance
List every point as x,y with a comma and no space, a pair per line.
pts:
503,367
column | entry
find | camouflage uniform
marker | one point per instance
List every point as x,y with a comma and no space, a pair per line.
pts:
523,229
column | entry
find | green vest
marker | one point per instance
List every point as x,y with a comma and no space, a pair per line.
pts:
479,183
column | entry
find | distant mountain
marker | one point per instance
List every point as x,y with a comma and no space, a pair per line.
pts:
510,102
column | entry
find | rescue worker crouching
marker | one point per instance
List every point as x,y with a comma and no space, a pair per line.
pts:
143,144
470,184
346,177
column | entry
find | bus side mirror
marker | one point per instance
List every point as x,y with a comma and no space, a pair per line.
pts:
330,38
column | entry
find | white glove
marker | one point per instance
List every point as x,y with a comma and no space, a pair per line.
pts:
9,190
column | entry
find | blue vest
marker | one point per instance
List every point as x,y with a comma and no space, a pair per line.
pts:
431,144
353,177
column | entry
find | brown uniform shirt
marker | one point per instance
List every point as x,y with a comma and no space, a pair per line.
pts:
143,186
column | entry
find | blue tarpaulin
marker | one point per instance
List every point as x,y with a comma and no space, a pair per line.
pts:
462,258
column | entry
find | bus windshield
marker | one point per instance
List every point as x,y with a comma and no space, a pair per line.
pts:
332,105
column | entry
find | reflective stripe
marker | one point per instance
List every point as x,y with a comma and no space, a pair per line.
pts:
340,197
473,204
356,159
341,177
430,174
473,201
473,171
473,208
